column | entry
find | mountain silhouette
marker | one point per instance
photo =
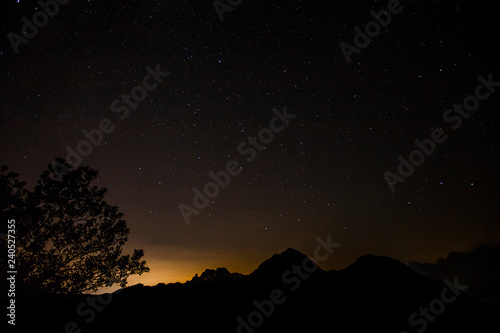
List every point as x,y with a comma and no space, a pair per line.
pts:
281,261
219,275
479,269
284,294
273,268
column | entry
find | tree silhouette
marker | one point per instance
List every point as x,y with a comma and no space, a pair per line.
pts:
68,239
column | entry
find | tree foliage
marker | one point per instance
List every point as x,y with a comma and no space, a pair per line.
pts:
68,238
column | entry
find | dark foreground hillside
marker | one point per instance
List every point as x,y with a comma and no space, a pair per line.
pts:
479,269
285,294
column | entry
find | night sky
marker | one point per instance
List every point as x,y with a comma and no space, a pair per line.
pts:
322,174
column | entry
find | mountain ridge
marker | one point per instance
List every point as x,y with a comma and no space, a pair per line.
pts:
375,292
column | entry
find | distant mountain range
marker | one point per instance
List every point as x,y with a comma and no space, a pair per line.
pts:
479,269
286,293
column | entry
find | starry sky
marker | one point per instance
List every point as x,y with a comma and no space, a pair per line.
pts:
323,174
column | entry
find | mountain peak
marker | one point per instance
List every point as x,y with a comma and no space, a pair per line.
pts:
219,274
279,263
371,266
291,252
